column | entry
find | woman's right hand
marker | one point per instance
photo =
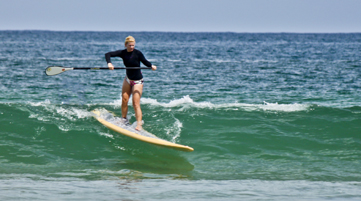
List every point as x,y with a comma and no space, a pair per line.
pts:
110,66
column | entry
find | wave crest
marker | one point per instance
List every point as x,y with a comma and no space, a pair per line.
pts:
186,101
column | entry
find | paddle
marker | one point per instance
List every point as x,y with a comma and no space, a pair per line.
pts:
54,70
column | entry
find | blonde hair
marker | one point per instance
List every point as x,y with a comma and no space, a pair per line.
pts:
129,39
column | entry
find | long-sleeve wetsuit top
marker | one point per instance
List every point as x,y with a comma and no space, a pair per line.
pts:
130,59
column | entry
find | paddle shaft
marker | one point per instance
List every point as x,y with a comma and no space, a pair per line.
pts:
106,68
54,70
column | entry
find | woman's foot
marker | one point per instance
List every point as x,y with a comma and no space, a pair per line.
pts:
139,126
123,121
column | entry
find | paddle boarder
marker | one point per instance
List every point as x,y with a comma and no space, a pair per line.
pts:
133,81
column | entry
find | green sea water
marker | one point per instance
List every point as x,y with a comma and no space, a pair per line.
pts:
270,117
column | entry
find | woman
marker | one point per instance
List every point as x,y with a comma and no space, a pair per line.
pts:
133,81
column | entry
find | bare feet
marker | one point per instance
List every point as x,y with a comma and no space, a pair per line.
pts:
139,126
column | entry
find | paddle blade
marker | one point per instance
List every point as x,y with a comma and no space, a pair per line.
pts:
54,70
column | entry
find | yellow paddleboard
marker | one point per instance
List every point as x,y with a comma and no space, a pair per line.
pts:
107,119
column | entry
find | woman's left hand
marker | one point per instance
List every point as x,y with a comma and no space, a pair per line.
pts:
154,67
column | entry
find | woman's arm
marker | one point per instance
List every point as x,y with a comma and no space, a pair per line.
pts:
146,62
143,59
112,54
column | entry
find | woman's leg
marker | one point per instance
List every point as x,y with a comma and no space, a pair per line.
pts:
126,91
137,94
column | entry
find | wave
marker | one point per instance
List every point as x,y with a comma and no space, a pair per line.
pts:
186,101
69,112
77,117
224,138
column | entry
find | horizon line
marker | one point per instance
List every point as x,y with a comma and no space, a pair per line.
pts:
245,32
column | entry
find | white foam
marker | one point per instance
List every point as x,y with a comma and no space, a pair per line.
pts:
174,130
174,60
64,128
72,113
41,103
106,135
284,107
186,101
58,113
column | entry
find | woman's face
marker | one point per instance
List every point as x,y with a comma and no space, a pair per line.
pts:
130,46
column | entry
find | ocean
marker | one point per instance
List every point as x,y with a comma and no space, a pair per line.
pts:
271,116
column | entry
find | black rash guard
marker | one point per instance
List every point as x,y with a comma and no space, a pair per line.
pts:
130,59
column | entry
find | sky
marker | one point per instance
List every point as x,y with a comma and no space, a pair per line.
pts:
254,16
